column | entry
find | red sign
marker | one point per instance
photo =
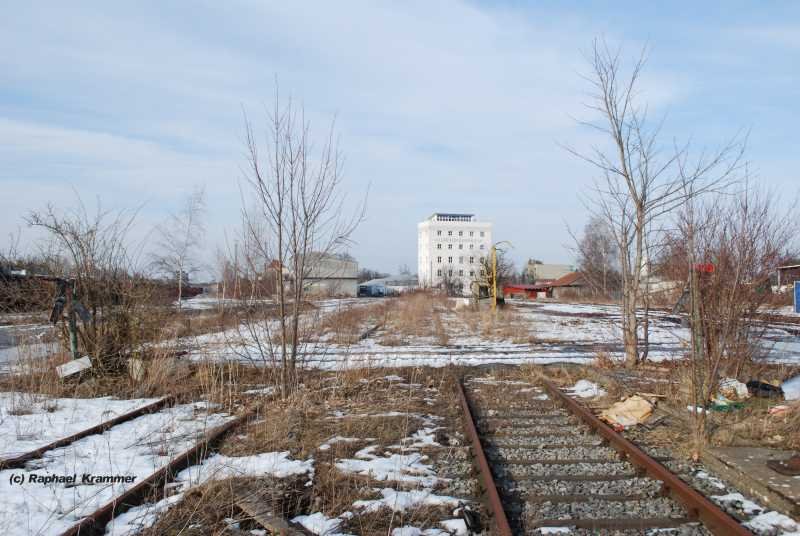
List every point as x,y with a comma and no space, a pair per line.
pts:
706,267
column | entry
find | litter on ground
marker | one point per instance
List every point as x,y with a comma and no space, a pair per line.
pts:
629,412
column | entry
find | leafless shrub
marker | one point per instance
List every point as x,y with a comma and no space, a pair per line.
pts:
297,219
743,237
98,259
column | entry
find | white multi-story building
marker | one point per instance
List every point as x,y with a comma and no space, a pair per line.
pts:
451,247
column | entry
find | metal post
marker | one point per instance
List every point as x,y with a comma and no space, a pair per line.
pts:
72,323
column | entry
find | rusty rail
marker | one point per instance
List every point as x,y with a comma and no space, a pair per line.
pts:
96,522
495,504
19,461
698,507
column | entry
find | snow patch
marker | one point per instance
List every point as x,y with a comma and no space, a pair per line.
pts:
399,501
141,517
261,391
714,481
455,526
769,522
394,467
586,389
737,501
219,467
318,523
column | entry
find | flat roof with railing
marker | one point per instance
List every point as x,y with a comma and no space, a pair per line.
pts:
448,216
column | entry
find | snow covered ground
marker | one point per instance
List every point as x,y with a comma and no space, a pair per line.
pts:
30,421
560,333
54,492
554,332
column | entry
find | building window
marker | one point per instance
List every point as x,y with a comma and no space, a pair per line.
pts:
481,259
472,273
449,272
438,233
472,260
472,246
438,246
481,246
471,233
439,260
438,272
481,234
461,272
461,260
449,246
449,233
461,246
461,233
450,260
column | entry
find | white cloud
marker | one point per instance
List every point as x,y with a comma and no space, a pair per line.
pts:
441,106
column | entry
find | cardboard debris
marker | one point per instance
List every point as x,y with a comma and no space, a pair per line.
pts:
629,412
733,389
73,367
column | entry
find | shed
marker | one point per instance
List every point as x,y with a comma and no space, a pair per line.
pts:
572,284
788,274
530,292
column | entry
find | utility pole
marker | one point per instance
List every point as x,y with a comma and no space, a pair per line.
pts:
494,272
494,278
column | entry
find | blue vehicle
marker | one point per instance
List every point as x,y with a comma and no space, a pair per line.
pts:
371,291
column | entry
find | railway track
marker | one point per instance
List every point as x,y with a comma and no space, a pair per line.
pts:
19,460
548,465
95,523
195,446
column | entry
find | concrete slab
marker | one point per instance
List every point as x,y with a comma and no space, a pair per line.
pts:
745,468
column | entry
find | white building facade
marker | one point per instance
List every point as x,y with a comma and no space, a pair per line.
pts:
451,248
329,275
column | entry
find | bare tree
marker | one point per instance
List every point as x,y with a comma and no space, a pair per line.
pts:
506,271
366,274
298,219
179,238
641,181
451,282
597,256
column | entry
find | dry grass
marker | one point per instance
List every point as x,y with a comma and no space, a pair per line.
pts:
347,326
349,404
436,318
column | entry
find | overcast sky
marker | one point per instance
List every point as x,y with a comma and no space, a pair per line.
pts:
440,106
